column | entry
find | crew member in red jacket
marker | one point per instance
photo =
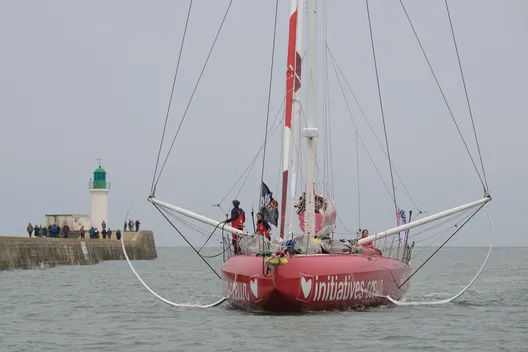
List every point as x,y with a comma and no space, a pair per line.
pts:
237,219
364,234
263,227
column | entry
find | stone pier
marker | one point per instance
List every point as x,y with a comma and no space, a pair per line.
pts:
30,253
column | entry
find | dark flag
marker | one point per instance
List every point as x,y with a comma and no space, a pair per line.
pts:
269,206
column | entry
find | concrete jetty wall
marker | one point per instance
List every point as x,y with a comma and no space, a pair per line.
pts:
30,253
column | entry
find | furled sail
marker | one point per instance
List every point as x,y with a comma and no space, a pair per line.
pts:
325,214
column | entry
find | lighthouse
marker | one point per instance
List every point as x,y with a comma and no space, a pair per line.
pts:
99,189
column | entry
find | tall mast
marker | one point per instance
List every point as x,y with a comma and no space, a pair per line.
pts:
290,80
296,118
310,132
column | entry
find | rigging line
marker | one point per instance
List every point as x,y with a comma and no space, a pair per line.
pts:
358,188
359,136
443,95
152,190
258,153
211,235
269,97
370,127
467,97
191,226
194,90
443,244
381,107
186,240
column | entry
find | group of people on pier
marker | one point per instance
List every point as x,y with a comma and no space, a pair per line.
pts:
52,230
56,231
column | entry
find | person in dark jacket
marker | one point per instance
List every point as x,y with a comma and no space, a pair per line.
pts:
237,219
118,235
137,225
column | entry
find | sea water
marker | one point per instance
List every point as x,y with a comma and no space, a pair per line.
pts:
105,308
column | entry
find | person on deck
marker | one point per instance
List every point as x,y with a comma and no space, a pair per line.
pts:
237,219
364,234
263,227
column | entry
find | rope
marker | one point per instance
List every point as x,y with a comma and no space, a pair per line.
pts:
152,190
185,305
444,301
381,108
442,93
467,98
194,92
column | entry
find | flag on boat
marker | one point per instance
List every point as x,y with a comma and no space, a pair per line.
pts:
402,220
269,206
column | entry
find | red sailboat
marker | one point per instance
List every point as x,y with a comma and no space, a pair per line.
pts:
311,271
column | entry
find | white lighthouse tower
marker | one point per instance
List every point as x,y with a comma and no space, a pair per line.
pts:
99,189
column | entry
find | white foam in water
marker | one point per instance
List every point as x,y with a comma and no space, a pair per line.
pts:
448,300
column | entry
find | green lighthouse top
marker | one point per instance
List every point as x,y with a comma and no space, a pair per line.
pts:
99,178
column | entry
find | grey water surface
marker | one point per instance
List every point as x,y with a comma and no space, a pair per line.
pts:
105,308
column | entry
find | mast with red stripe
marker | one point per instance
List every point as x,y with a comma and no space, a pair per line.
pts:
293,83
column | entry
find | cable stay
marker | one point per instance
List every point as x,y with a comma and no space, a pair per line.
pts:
486,188
152,190
484,183
339,72
190,99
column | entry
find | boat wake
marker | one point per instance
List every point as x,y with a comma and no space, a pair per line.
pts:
179,305
448,300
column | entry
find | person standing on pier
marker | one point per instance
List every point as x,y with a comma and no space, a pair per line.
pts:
109,233
104,232
65,230
130,225
137,225
29,229
118,235
103,225
81,231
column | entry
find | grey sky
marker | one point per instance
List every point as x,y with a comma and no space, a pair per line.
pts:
83,80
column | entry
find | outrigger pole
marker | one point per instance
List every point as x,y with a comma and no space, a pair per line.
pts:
425,220
196,216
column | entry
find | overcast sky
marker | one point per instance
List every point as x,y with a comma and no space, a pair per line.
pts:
87,80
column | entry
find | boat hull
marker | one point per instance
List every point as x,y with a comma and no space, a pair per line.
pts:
313,282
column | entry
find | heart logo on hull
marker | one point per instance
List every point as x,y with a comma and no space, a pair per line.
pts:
306,287
253,285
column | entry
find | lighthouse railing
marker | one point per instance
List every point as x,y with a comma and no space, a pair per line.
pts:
98,184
